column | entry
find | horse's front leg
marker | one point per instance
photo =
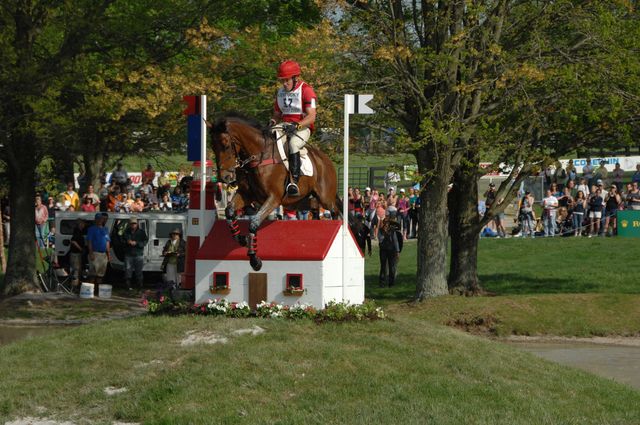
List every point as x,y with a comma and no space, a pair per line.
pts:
254,224
231,213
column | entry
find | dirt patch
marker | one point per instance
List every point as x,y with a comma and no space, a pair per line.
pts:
203,337
64,309
628,341
476,324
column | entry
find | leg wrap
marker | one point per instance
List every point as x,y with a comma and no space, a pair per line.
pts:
233,226
252,243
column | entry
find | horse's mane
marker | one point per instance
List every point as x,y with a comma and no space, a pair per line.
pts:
220,123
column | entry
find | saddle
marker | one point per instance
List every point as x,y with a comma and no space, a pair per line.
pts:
306,165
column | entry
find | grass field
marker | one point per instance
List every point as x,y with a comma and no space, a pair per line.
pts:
559,286
409,369
403,370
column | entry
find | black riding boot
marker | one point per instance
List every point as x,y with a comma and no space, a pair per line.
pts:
294,168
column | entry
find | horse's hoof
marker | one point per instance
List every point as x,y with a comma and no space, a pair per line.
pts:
242,240
256,263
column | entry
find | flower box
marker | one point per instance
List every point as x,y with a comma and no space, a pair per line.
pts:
293,292
225,290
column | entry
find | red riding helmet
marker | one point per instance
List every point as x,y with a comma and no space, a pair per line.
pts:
288,69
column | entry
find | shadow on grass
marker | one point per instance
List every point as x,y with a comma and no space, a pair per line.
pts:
404,289
518,283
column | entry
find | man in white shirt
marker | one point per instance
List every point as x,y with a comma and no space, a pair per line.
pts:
549,205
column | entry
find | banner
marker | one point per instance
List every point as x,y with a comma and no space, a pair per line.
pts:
629,224
627,163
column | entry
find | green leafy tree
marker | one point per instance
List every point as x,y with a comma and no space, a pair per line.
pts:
46,47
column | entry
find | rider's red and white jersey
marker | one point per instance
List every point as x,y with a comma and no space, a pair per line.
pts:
293,104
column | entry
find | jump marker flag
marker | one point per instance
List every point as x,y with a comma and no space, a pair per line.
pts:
353,104
196,112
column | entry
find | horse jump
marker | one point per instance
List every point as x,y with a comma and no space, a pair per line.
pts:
247,155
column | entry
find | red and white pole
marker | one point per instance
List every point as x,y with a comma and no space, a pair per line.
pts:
202,206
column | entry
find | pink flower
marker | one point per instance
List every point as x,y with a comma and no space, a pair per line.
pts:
162,299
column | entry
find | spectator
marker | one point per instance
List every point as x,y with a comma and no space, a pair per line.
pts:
114,198
616,176
392,198
42,216
178,200
633,197
373,202
560,176
98,247
366,201
526,215
571,173
636,175
71,196
87,205
120,177
403,213
612,203
174,254
103,194
148,174
76,254
138,204
51,208
579,208
129,200
350,203
380,214
362,234
587,172
389,251
135,239
573,190
93,197
165,204
584,187
549,206
145,189
490,200
566,200
596,203
555,191
601,172
358,202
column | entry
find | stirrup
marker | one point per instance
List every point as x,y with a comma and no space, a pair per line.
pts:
292,189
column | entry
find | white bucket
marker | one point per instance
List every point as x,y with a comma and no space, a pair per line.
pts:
104,291
86,290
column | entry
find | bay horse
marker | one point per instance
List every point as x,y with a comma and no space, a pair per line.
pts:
246,154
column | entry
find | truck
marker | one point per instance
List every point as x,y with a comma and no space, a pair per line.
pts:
158,226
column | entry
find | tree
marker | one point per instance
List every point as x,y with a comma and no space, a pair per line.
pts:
466,82
578,87
43,45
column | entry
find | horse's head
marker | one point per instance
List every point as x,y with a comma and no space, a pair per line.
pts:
225,152
236,142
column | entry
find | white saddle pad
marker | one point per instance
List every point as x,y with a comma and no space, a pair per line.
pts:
306,166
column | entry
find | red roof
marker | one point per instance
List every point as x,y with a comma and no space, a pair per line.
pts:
293,240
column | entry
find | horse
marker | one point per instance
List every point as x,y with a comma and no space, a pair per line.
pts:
246,154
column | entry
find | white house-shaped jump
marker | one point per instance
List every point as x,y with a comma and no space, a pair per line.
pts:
301,263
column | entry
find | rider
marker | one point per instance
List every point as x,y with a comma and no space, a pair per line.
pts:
295,106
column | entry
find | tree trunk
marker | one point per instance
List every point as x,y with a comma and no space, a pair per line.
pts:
93,159
21,265
464,229
432,223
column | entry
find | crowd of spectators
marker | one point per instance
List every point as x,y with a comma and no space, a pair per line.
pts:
579,205
115,195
